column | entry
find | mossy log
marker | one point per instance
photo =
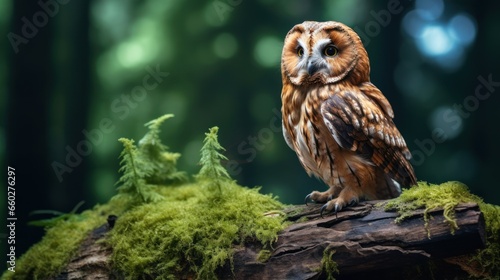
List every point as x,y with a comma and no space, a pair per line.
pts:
361,240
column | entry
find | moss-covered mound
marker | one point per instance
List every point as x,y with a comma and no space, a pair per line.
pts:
167,227
191,232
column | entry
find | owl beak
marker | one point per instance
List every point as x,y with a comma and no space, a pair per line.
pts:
313,68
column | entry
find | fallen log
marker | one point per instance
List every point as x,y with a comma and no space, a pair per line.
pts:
362,239
357,241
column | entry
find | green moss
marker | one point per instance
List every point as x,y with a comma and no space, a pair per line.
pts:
328,265
61,241
263,255
302,219
186,233
447,196
431,197
189,233
489,258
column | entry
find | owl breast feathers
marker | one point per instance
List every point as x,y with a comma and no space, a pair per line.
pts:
338,122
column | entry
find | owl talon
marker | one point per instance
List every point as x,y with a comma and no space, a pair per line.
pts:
337,208
307,198
323,209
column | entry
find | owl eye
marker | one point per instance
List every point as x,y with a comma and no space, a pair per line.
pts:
330,50
300,51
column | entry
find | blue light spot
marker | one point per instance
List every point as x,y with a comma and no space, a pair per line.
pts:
462,29
435,41
413,24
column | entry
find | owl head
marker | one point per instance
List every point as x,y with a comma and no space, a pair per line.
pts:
325,53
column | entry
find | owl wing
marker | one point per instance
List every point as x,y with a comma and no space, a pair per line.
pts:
362,122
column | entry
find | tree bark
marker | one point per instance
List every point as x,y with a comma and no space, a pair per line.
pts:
363,240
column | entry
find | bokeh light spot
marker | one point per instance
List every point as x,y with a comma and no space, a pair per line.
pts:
225,45
267,51
413,24
462,29
435,41
130,54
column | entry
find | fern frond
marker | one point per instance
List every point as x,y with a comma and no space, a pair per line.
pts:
211,168
134,169
153,136
161,162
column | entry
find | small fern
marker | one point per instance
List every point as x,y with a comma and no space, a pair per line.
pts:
135,170
211,168
149,165
161,162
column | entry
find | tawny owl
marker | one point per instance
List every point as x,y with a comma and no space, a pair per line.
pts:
338,122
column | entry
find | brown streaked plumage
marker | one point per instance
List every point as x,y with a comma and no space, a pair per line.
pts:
338,122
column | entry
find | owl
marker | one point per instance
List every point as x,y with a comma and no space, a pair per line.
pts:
339,123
